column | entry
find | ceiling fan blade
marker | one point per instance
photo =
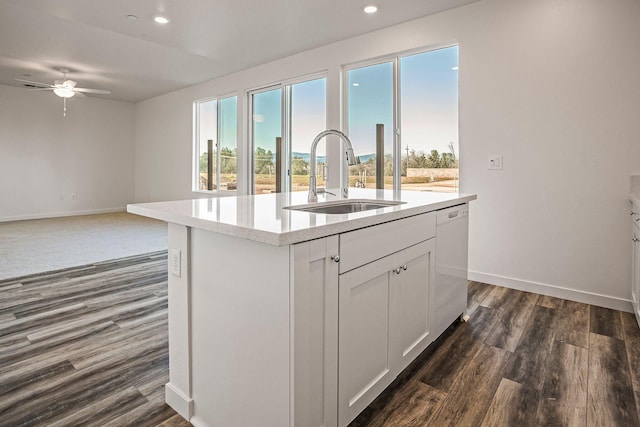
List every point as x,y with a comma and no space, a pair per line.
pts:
35,83
86,90
79,94
41,88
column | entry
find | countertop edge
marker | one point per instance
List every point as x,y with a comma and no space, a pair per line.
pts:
296,236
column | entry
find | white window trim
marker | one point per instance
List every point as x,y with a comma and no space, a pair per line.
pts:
195,156
285,85
394,58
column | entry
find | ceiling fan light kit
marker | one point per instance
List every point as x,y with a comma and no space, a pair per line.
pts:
64,92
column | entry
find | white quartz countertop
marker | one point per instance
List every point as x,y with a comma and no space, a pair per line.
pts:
262,218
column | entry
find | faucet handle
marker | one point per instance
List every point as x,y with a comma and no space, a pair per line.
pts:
324,190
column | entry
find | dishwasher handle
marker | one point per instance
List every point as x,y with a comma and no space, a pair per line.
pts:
452,215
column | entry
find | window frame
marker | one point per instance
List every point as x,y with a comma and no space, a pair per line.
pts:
195,168
394,58
285,125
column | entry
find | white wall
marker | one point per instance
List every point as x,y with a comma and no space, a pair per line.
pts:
552,86
45,158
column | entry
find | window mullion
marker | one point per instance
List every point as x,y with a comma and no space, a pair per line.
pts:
397,140
217,144
286,139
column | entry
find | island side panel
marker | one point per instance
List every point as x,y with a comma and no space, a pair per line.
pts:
178,389
315,333
240,331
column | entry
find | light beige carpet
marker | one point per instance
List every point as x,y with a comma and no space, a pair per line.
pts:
42,245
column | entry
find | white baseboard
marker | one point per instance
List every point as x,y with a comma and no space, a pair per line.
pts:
178,401
553,291
61,214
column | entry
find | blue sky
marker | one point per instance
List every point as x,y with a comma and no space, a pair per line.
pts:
308,100
429,106
429,94
429,102
228,122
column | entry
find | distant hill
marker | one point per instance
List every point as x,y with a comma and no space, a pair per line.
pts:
322,159
307,156
366,157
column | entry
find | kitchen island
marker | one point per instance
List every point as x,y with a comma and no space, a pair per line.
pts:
282,317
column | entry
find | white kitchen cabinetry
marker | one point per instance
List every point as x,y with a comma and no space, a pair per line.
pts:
355,332
315,332
384,323
385,302
284,318
635,272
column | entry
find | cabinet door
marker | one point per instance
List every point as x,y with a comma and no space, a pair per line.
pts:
315,333
363,361
411,303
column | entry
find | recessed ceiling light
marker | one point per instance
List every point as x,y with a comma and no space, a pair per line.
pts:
161,20
371,9
131,17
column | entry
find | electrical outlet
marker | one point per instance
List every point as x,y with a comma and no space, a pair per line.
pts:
174,262
74,196
495,162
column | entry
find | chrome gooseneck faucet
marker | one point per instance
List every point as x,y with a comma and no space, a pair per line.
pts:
351,160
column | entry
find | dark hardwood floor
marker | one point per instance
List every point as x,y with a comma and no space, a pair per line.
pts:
87,346
522,360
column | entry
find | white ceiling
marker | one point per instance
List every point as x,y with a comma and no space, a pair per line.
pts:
140,59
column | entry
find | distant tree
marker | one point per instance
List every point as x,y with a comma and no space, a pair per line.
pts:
388,165
369,166
433,159
452,150
263,161
447,160
454,158
203,161
228,160
299,166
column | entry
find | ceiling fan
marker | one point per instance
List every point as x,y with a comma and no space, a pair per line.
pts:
63,88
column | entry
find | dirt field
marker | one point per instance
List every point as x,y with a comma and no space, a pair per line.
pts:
264,184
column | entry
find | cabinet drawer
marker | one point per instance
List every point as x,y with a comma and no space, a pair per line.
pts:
365,245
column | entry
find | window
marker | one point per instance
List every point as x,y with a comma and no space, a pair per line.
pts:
429,120
267,139
308,118
216,145
416,95
371,122
285,119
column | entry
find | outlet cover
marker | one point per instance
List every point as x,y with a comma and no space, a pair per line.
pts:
495,163
174,262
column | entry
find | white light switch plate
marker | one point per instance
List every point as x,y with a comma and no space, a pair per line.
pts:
174,262
495,162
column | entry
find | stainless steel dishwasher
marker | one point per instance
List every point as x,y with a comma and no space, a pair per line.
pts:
450,289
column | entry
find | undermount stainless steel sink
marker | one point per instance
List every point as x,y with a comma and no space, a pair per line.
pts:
344,206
